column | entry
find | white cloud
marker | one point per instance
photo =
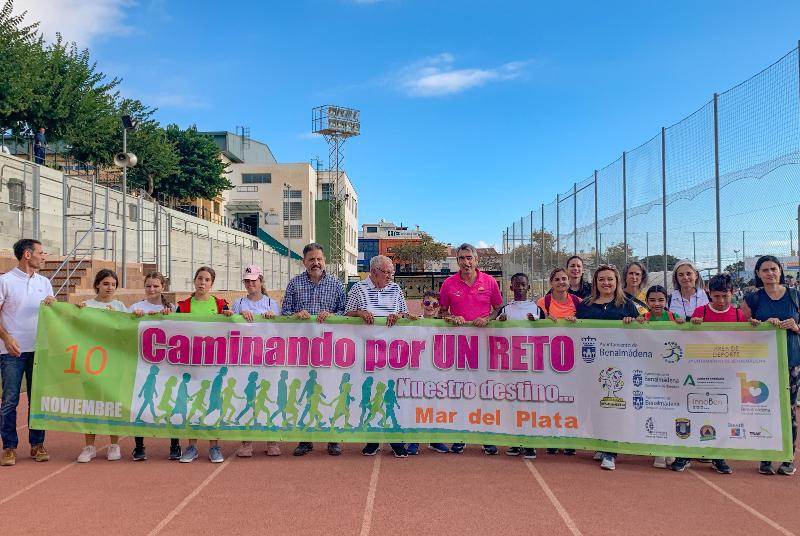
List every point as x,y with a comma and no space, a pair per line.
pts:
81,21
437,76
484,244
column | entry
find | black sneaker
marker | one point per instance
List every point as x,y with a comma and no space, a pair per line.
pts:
552,451
513,451
334,449
175,452
457,448
569,452
490,450
529,454
399,451
302,449
766,468
721,466
786,468
139,454
680,464
371,449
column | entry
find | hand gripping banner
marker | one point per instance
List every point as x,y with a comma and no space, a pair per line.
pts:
716,391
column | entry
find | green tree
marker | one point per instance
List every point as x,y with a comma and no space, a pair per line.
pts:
157,156
735,267
200,172
416,253
21,58
655,263
618,255
543,249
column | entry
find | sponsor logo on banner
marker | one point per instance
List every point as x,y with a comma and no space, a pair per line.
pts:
623,349
753,391
707,403
638,400
689,380
708,433
651,431
637,378
588,349
736,430
659,380
713,382
683,427
672,352
762,433
611,382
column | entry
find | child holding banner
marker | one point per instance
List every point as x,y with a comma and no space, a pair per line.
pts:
155,303
607,302
656,299
257,302
202,303
720,289
105,285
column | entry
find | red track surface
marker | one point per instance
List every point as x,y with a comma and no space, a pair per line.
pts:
352,494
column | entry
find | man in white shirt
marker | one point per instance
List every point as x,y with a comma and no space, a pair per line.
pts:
378,295
22,291
520,308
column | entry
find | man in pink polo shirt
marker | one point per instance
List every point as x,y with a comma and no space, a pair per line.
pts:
470,296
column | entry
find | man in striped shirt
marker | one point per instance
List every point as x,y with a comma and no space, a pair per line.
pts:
378,295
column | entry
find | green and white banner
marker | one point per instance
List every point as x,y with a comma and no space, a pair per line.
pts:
717,390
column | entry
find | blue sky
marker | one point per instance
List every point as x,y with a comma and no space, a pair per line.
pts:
472,112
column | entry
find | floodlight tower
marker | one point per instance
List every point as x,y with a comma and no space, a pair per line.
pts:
336,124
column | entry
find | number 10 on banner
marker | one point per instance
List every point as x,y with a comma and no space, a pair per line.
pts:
87,362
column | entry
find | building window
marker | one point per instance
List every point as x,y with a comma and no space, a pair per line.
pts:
296,231
256,178
292,210
327,190
292,194
371,229
247,188
16,195
133,212
216,207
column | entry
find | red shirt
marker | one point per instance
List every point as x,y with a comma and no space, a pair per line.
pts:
732,314
468,301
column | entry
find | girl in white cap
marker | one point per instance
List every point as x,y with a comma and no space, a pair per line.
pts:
257,302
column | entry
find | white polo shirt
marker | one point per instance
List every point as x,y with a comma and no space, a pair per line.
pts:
20,298
365,296
518,310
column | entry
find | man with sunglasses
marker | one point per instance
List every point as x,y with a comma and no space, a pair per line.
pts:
470,296
378,295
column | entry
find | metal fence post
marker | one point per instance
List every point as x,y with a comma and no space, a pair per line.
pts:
625,205
574,218
191,254
596,225
541,247
139,213
664,200
531,260
716,184
64,211
169,245
105,226
558,229
36,202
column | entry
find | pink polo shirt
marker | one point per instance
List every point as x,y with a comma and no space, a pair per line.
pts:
473,301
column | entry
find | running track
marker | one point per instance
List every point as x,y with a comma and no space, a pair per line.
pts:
353,494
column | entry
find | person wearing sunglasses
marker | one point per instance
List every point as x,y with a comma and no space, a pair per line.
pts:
379,296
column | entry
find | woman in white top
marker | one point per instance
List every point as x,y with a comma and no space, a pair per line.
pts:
257,302
105,285
689,293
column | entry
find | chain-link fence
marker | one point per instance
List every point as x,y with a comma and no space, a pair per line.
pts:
720,187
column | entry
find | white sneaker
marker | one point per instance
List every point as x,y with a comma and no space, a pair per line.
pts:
113,452
87,454
670,460
597,456
660,462
608,463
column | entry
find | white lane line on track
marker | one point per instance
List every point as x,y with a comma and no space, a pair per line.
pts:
177,510
573,528
366,522
746,506
47,477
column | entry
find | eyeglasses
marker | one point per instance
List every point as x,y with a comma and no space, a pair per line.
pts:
430,304
385,272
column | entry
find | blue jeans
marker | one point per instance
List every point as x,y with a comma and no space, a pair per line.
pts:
11,371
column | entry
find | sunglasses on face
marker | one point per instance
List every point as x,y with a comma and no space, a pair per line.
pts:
430,304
